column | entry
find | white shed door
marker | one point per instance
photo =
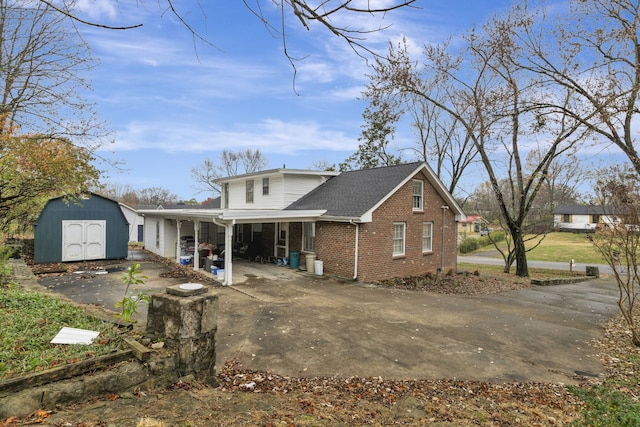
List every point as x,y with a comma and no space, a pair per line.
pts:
84,240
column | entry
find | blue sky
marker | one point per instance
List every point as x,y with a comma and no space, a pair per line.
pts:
171,101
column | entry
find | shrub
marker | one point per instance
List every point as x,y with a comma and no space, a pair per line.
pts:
469,244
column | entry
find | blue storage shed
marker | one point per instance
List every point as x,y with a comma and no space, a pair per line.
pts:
92,227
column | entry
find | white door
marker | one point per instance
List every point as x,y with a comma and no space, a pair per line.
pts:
84,240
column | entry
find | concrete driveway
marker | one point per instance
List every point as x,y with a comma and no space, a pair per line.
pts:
293,323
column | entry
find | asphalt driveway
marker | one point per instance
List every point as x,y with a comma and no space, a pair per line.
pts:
305,325
329,328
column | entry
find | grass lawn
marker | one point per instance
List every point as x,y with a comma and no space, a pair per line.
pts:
31,319
560,247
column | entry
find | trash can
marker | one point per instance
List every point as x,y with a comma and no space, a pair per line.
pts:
319,267
311,259
294,259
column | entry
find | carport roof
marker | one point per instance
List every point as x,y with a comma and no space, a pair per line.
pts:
239,216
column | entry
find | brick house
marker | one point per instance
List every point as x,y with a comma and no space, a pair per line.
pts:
367,225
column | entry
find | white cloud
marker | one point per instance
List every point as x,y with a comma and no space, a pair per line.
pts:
270,136
98,8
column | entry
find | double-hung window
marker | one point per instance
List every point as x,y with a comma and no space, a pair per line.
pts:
417,195
427,236
265,186
398,238
249,192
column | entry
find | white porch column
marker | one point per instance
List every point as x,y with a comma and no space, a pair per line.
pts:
178,226
228,254
196,252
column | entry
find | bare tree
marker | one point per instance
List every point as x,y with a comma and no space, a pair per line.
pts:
594,55
560,185
322,165
497,103
123,193
618,189
443,142
43,61
156,196
231,163
326,13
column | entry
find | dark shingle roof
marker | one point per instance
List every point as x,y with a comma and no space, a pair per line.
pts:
353,193
580,210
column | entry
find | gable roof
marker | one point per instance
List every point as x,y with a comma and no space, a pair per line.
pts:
580,210
356,194
474,218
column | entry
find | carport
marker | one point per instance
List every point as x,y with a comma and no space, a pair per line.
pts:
228,219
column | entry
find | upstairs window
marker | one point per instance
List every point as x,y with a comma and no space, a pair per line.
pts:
249,191
226,195
427,236
417,195
398,238
265,186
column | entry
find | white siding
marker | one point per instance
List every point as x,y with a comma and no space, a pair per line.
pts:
298,186
580,222
283,190
133,219
164,244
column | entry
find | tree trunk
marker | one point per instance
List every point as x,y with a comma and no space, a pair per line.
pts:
522,269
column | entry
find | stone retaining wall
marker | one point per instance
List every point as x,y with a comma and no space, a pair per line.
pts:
188,354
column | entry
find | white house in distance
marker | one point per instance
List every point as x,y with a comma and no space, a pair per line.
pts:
367,225
581,218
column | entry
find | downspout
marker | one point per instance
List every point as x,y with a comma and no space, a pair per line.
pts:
444,209
355,261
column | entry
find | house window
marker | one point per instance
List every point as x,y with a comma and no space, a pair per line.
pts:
157,234
308,236
249,192
203,232
566,218
595,219
265,186
226,195
427,236
398,238
417,195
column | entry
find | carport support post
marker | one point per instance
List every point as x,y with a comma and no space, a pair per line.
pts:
228,254
196,249
178,226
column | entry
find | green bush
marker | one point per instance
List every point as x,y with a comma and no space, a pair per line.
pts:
469,244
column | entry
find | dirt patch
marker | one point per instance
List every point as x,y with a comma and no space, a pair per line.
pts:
463,284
